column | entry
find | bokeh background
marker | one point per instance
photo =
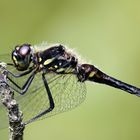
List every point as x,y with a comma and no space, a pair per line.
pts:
106,33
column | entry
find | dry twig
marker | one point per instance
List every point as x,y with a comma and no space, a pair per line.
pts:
16,126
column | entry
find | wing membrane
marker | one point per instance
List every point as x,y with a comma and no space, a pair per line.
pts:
67,93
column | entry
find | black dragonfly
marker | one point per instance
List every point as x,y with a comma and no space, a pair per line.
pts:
51,80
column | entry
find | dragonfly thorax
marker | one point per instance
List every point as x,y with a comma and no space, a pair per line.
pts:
56,59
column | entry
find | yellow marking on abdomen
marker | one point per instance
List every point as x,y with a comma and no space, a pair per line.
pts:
92,74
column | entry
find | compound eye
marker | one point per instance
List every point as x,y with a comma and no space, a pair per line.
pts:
24,50
21,57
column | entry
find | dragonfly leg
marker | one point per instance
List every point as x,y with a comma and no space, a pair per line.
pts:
51,102
21,74
24,88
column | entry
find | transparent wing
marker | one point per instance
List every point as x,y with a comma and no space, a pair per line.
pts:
67,93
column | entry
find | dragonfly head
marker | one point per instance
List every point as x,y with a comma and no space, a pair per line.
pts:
22,57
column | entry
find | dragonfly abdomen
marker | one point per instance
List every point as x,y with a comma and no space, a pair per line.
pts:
91,73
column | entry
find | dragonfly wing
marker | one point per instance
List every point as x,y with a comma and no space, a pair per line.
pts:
67,93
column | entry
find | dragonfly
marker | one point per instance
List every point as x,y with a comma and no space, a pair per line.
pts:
50,80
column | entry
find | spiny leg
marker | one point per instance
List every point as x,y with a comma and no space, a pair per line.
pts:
51,102
24,88
19,75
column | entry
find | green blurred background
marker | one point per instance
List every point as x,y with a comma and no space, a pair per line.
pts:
106,33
